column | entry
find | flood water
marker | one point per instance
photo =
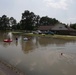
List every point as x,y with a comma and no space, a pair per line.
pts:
39,55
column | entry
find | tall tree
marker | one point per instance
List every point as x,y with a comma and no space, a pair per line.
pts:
48,21
28,20
0,24
37,20
13,23
4,22
73,26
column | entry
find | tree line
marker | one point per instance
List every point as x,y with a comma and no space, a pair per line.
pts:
29,21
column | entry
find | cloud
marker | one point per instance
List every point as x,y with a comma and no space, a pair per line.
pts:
72,19
58,4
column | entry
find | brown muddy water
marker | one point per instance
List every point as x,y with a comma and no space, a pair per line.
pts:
39,55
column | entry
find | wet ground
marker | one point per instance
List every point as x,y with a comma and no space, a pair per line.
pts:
7,69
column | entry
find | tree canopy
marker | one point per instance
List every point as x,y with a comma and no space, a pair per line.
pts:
48,21
73,26
29,21
4,22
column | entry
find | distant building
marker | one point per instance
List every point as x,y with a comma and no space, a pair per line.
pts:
45,28
59,28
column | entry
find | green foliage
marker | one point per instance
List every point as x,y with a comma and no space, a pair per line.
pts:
48,21
73,26
13,23
29,20
4,22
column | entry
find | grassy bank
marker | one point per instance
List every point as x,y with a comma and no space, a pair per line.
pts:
65,37
16,32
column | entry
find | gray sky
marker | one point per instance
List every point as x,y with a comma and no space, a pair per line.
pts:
62,10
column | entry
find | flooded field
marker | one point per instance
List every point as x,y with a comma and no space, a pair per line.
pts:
39,55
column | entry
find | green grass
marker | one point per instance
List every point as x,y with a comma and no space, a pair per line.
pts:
16,32
65,37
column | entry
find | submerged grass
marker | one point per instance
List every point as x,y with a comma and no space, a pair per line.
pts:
65,37
16,32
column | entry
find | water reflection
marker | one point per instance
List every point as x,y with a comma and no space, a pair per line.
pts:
16,43
27,45
40,55
33,42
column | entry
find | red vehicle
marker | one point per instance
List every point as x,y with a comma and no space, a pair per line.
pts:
7,40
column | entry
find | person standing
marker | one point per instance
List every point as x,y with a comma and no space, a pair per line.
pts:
16,39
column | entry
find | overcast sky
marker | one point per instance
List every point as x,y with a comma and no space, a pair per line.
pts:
62,10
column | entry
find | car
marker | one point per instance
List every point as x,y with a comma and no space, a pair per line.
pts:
49,32
37,32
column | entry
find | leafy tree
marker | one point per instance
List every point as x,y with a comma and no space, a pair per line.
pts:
0,23
28,20
13,23
4,22
37,20
18,26
48,21
73,26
